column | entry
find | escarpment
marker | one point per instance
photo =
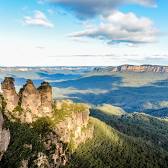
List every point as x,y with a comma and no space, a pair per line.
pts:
134,68
75,128
57,125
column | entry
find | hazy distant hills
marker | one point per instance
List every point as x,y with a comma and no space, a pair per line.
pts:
134,68
121,68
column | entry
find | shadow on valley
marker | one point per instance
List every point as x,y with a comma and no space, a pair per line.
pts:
90,82
110,89
58,76
150,98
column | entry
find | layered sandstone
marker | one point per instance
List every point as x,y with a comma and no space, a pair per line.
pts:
30,103
75,127
45,92
30,98
68,122
9,93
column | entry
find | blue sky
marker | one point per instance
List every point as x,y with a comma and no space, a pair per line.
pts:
83,32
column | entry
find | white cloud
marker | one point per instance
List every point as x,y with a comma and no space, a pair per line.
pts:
121,28
39,19
90,8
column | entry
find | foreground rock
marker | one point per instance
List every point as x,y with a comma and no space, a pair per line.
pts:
54,124
4,137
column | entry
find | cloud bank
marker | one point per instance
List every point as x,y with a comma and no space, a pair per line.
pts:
39,19
121,28
91,8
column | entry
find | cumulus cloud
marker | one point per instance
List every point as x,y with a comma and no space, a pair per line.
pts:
90,8
39,19
121,28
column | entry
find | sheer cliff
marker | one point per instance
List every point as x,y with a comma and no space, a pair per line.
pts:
43,131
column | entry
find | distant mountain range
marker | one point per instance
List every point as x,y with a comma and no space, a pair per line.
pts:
46,68
133,68
121,68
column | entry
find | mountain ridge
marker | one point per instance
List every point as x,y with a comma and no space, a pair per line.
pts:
134,68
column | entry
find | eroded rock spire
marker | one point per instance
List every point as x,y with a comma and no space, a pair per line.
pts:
9,93
30,98
45,91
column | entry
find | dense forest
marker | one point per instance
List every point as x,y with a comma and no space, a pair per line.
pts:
124,140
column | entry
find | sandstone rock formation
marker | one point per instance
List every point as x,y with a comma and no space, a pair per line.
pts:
66,122
4,137
30,98
31,102
9,93
70,120
45,91
75,127
135,68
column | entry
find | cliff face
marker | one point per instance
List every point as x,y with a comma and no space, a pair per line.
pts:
61,122
54,154
135,68
75,128
4,137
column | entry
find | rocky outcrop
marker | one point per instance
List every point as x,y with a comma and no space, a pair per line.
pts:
56,125
54,154
4,137
9,93
56,157
30,98
75,127
134,68
69,120
30,103
45,91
